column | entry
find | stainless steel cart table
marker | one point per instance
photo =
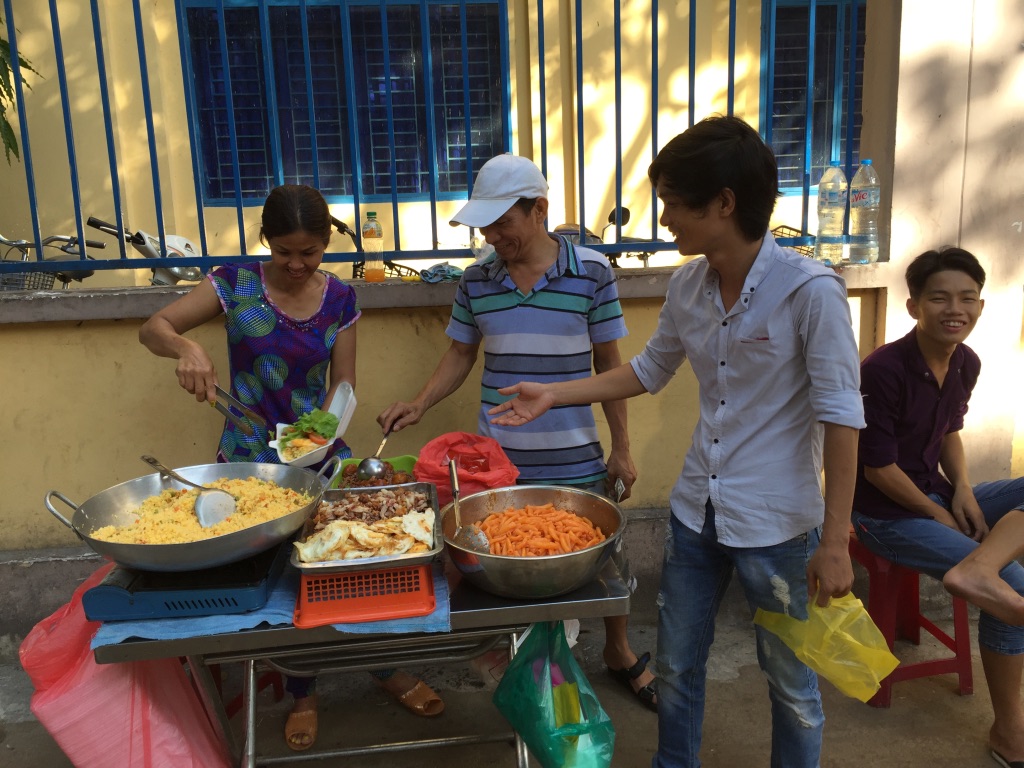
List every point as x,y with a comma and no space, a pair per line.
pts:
479,622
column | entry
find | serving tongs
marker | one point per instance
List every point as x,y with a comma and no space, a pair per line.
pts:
233,402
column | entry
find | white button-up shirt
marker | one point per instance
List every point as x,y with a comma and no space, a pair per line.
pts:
782,360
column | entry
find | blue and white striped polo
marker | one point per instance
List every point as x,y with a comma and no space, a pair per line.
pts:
545,335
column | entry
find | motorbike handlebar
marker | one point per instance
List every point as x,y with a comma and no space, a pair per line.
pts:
88,243
102,226
342,227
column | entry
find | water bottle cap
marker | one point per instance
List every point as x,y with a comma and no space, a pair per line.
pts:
866,161
835,164
373,214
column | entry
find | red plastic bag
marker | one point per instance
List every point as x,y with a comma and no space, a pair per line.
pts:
481,464
140,714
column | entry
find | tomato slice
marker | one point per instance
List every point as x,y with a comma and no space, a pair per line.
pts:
316,438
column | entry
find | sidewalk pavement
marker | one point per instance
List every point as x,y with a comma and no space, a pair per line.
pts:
928,726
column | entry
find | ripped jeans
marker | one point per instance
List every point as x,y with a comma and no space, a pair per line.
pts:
695,573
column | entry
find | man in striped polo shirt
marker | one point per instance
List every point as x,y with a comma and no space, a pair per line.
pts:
544,310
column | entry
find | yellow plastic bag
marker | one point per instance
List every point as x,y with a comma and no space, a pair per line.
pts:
841,643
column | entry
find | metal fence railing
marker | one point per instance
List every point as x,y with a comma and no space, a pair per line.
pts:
431,59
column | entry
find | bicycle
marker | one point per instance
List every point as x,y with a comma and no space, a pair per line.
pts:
43,280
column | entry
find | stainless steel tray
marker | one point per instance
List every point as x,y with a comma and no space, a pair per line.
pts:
373,563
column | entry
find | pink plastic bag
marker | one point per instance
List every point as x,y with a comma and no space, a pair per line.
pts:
140,714
482,464
55,644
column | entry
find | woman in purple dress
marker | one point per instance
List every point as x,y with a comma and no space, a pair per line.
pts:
291,343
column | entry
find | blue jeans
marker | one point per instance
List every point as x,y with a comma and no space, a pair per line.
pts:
932,548
695,573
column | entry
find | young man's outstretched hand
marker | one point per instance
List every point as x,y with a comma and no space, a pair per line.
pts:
533,400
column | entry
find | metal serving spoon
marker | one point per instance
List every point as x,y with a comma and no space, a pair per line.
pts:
371,468
470,537
213,505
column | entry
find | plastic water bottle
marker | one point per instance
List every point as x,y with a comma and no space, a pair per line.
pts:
373,246
865,201
828,244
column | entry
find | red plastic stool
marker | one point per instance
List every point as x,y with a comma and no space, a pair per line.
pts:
894,605
271,677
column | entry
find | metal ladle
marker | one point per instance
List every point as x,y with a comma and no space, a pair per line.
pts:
213,505
372,467
470,537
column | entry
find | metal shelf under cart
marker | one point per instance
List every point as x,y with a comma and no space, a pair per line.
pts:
480,622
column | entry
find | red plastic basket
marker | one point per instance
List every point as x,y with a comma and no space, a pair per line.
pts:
357,596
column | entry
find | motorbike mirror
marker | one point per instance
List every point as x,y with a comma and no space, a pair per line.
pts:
623,215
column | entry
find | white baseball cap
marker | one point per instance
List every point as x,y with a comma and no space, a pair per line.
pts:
501,182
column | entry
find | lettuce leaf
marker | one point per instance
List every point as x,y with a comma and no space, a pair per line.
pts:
316,421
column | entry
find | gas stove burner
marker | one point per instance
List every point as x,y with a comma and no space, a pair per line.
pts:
233,588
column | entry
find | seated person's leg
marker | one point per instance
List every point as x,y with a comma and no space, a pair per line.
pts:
977,578
1002,656
919,543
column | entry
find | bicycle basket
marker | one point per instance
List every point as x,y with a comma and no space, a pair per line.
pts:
390,270
783,233
26,281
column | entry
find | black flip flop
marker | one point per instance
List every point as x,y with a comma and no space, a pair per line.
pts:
647,693
1004,762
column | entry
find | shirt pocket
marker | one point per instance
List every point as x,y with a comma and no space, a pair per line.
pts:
771,336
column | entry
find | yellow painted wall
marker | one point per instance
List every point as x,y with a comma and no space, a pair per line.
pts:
84,401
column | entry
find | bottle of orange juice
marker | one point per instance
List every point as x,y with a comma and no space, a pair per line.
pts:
373,246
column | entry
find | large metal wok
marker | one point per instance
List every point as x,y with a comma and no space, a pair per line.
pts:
115,506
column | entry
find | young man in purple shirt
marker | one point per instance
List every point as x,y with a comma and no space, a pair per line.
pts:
916,390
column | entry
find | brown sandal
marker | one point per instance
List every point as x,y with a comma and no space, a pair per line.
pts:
422,700
301,725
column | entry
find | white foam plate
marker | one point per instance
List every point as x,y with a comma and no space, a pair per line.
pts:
342,405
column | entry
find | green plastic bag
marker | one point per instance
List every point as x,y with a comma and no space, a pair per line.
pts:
550,703
841,643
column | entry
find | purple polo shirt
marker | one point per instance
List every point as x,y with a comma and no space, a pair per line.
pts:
907,417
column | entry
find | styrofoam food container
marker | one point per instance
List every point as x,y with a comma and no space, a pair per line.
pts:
343,405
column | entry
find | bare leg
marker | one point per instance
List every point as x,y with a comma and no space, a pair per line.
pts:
976,577
618,654
1004,677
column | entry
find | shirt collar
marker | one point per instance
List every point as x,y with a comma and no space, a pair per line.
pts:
917,363
568,262
762,263
758,270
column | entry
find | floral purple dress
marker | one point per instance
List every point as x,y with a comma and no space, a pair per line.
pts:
278,364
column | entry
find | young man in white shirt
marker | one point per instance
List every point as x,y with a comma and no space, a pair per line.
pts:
768,335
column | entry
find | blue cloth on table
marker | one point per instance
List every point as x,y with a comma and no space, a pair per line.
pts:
279,610
439,273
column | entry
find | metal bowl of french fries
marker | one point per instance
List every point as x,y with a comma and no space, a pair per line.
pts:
534,576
